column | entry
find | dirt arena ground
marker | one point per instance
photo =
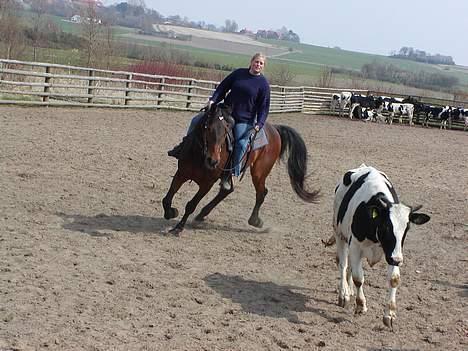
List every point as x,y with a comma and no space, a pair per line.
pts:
86,262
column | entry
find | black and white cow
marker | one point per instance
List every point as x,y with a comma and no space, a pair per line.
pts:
445,116
369,222
367,102
400,109
431,112
465,113
340,100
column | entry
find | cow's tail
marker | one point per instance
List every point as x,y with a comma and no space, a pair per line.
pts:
294,146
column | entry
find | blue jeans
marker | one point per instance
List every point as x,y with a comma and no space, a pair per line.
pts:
241,134
194,121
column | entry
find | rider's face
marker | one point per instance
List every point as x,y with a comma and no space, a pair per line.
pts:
257,65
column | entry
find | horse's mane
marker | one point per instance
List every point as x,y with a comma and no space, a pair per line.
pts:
194,144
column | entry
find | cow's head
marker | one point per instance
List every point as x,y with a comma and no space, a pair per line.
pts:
392,222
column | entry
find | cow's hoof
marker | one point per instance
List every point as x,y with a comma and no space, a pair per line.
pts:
388,321
343,301
256,222
171,213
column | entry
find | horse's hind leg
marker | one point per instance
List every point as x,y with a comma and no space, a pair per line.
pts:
213,203
169,211
260,193
254,219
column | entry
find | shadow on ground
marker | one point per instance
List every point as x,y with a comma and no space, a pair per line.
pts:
103,225
267,298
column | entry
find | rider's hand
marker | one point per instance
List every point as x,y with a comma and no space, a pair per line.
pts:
257,127
208,104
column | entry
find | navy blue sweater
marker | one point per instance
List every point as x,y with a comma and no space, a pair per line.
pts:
249,96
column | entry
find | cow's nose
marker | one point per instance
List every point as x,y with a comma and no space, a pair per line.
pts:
397,259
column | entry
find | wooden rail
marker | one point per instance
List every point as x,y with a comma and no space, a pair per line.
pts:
45,84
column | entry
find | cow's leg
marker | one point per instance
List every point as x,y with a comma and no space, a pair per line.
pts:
393,278
342,251
351,109
190,208
355,260
390,118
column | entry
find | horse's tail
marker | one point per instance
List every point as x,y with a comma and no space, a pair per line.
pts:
293,145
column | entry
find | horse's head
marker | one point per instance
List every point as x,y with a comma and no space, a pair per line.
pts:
218,122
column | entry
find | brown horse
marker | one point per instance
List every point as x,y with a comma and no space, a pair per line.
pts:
206,153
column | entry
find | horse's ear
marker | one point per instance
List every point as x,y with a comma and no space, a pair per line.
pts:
226,111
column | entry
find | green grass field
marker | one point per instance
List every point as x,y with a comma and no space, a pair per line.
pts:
304,61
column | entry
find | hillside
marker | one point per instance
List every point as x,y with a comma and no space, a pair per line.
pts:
212,49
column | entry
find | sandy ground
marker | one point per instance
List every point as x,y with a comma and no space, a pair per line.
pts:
86,262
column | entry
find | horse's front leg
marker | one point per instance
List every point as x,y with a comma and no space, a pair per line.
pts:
213,203
190,208
169,211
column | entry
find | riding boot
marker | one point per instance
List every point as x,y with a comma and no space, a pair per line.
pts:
226,181
226,176
177,150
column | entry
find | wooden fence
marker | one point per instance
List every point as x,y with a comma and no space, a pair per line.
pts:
45,84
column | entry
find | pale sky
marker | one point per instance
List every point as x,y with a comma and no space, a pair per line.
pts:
369,26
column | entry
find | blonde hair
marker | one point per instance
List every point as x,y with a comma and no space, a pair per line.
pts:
258,55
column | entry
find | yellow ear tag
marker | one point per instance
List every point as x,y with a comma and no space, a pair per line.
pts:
375,214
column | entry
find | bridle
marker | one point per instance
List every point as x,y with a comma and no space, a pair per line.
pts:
206,123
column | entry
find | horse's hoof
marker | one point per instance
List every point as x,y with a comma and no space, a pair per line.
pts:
176,231
171,213
199,218
256,222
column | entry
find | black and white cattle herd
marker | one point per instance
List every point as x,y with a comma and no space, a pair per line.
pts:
385,108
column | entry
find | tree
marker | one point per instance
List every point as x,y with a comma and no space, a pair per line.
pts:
230,26
108,42
281,75
37,30
90,29
11,31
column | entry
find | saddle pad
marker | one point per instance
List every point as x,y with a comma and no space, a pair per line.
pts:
260,140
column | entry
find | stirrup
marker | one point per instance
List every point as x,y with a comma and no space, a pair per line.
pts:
226,182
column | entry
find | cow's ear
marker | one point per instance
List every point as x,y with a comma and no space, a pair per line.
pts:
419,218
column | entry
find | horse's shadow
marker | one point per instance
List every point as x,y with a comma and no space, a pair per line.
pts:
267,298
102,224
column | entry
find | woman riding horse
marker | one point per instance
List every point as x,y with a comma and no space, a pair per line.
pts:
249,99
206,153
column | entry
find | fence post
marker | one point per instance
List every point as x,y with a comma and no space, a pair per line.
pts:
303,99
91,83
127,87
45,97
161,89
189,97
283,98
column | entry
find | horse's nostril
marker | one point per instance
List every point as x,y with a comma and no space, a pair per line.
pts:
211,162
